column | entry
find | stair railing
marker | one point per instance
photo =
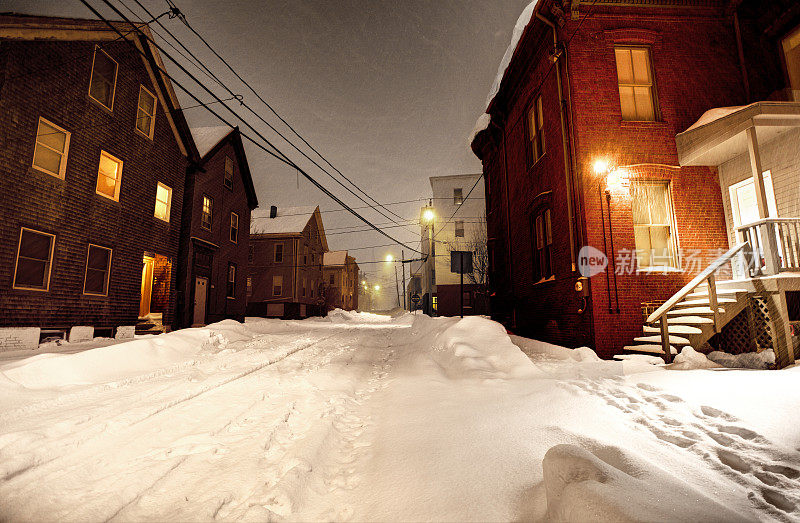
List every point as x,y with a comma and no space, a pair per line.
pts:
707,276
776,245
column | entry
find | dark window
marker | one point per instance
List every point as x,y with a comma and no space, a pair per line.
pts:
98,265
228,181
250,253
459,229
34,258
231,281
458,196
332,277
535,127
206,219
467,299
104,78
278,253
234,227
542,235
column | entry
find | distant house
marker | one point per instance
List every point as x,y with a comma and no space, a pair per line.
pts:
215,236
340,280
285,269
92,168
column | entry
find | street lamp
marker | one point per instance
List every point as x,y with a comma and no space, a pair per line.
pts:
389,258
429,218
377,288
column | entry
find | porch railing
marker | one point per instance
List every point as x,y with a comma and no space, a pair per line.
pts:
776,246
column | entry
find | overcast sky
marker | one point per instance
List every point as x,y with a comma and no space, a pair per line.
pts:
388,91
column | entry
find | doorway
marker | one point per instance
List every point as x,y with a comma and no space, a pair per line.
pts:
200,297
147,286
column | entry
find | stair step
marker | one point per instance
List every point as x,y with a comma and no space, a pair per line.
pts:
675,329
703,301
694,311
677,340
720,292
649,348
689,320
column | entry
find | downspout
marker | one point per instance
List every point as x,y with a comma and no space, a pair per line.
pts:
740,48
564,142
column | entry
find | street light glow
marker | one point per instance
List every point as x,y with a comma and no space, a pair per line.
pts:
601,166
377,288
389,258
428,215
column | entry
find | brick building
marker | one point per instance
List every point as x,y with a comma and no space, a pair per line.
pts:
579,149
215,235
284,276
340,281
92,168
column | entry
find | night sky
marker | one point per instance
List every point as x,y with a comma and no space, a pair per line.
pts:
388,91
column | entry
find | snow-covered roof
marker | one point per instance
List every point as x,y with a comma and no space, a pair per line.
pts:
334,258
205,138
289,220
715,114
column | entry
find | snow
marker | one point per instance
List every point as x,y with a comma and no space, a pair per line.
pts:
712,115
480,125
401,417
288,220
205,138
334,258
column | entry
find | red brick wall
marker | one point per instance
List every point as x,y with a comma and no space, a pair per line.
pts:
70,208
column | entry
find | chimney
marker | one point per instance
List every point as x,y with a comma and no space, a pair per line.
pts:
273,211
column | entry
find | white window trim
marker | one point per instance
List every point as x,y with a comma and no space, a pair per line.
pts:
150,135
50,263
119,177
232,228
651,85
62,168
86,269
772,206
169,202
116,73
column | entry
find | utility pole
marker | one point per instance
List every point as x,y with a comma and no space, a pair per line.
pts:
396,284
403,263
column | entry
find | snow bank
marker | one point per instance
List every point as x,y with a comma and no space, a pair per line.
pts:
477,347
747,360
530,347
690,359
612,485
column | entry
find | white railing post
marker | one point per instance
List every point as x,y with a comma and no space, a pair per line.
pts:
772,262
712,301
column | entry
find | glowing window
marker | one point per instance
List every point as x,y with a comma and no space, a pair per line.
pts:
109,176
635,79
207,214
163,202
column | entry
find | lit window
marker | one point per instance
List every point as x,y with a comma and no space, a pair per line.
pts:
231,281
535,124
542,245
458,196
104,79
163,201
459,229
278,252
109,176
234,227
34,259
50,152
98,269
277,285
146,113
249,285
652,224
635,83
208,210
228,181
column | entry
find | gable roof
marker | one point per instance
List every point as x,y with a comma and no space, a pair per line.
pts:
16,26
209,140
289,221
334,258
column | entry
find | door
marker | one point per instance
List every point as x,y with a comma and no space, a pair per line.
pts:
147,286
200,294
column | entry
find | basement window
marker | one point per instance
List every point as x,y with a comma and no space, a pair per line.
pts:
50,152
635,78
98,270
109,176
146,112
34,260
104,79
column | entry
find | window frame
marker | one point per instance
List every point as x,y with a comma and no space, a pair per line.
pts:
118,185
233,234
49,262
537,133
275,278
228,182
116,74
169,202
62,167
458,198
275,253
651,86
210,213
230,289
150,135
456,229
107,283
542,256
673,229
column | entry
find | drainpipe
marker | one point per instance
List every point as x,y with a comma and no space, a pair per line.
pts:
564,142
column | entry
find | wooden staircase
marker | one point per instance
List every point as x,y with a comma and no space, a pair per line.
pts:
694,314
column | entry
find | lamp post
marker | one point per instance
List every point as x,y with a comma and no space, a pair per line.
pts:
429,218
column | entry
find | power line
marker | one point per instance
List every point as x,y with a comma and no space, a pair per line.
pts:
278,154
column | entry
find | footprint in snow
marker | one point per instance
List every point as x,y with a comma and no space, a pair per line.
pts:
783,470
711,412
776,499
733,461
647,387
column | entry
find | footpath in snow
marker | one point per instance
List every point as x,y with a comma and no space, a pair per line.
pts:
364,417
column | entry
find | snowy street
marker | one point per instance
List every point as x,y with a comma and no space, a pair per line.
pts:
366,417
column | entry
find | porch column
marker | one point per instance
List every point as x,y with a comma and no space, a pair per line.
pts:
769,246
